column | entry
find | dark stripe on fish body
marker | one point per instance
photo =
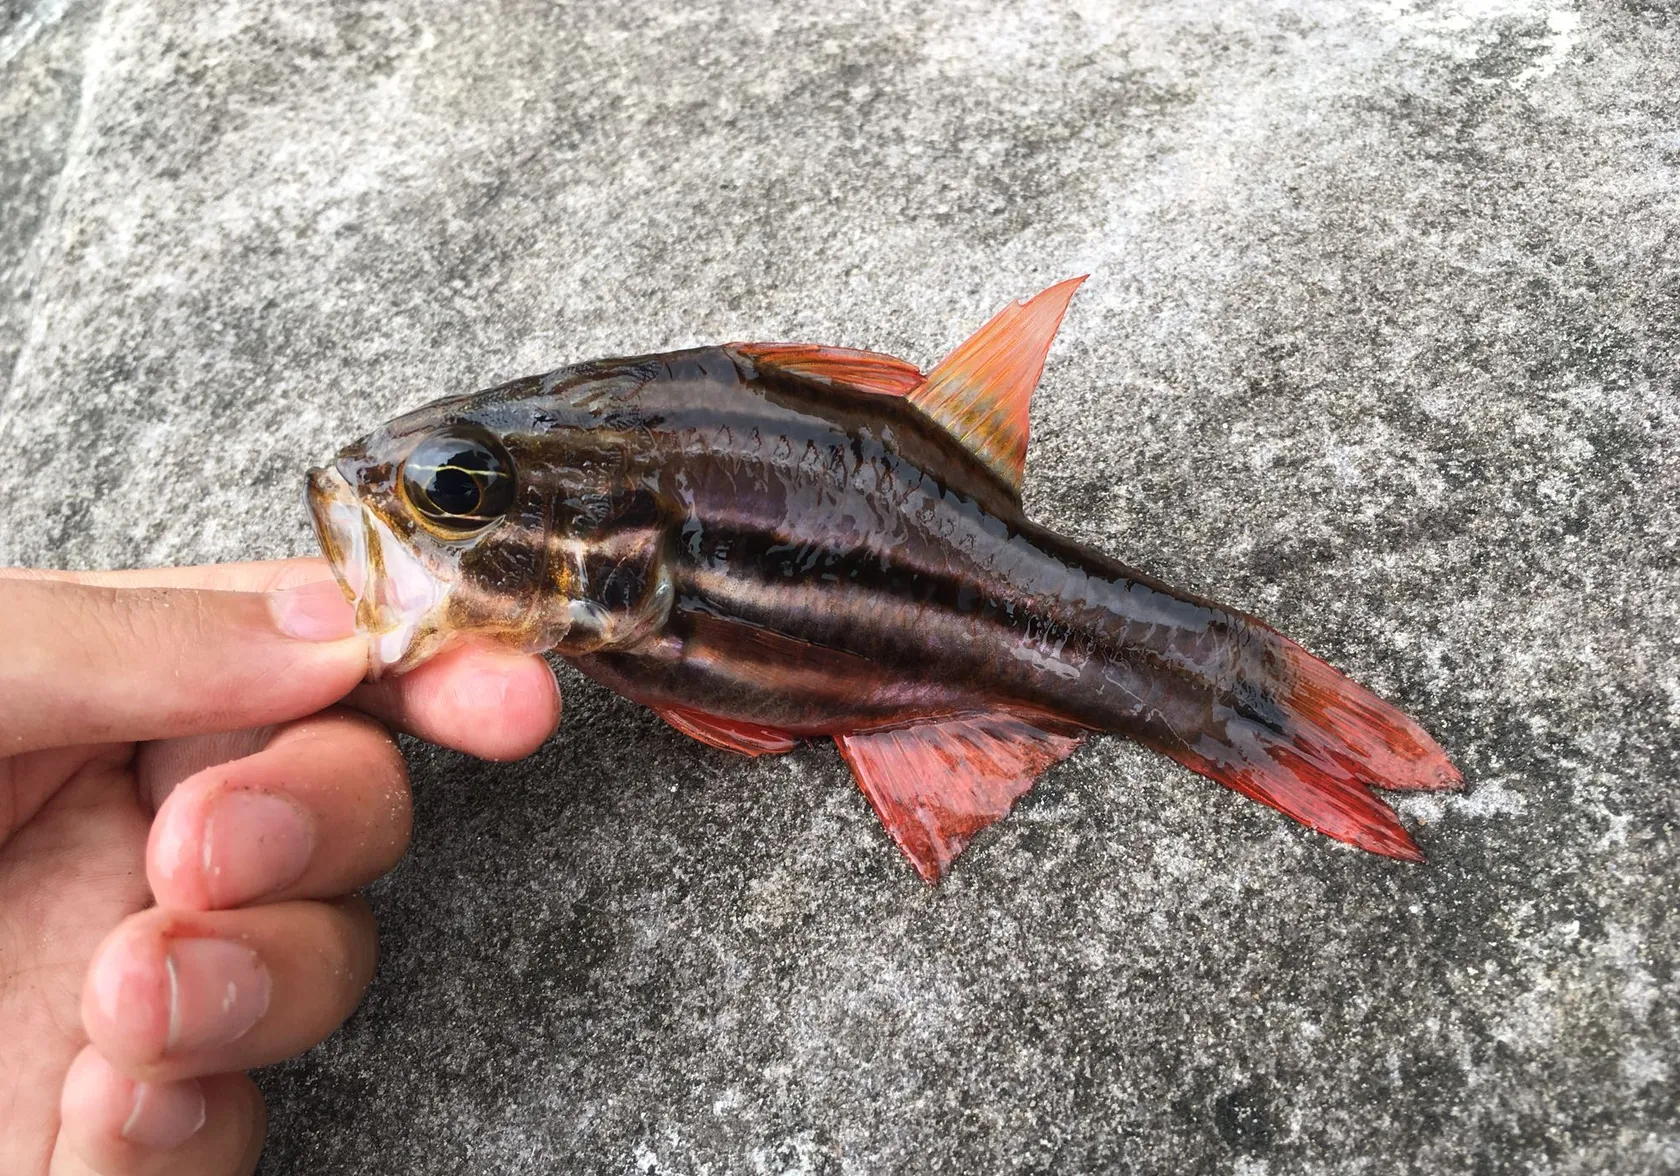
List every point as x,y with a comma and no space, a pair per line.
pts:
993,646
906,610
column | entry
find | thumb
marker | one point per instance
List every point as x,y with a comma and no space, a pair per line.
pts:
93,664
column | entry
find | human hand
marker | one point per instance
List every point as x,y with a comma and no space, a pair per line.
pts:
199,739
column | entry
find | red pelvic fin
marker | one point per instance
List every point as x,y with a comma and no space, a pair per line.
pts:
869,371
729,734
980,392
935,785
1337,740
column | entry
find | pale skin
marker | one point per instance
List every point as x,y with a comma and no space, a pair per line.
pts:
194,781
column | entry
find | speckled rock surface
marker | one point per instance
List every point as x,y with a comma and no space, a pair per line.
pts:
1381,342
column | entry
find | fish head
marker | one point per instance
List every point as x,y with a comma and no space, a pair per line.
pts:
436,536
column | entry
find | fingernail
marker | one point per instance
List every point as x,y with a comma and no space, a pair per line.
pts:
165,1114
217,991
313,612
254,844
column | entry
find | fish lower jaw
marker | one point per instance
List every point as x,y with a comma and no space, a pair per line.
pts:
395,643
398,641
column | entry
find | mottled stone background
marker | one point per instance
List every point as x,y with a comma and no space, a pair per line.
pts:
1381,342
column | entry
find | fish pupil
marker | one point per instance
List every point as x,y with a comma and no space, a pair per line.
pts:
453,489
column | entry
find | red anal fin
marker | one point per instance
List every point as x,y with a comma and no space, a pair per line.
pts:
1336,741
935,785
729,734
869,371
980,392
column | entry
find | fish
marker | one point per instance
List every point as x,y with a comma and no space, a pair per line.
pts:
767,543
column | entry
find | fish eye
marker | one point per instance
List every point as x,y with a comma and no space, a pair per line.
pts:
460,479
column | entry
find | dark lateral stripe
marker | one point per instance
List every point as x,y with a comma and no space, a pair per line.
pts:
782,557
889,606
921,440
868,601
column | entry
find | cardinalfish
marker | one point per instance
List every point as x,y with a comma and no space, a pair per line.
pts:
771,542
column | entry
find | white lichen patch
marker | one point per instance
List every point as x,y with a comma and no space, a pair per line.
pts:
1487,799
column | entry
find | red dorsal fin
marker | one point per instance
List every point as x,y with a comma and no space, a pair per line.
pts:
729,734
980,392
935,785
869,371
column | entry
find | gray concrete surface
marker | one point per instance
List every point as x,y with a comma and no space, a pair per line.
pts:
1381,342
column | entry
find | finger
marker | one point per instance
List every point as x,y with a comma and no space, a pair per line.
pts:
173,994
488,703
163,763
254,576
111,1125
481,701
87,664
318,812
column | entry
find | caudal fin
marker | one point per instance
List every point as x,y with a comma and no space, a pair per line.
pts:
1315,747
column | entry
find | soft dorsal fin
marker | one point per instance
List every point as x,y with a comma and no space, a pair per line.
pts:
980,392
935,785
729,734
869,370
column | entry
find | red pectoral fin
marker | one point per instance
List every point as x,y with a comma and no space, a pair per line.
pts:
729,734
935,785
869,371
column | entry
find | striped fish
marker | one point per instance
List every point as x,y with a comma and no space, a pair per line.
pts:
772,542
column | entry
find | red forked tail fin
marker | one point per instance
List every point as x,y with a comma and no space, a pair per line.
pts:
1331,742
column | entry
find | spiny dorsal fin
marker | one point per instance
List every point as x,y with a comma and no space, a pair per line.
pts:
868,370
935,785
980,392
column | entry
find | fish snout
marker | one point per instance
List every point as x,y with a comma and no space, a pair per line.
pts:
338,529
398,599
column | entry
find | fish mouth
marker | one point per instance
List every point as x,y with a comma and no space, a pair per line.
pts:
397,599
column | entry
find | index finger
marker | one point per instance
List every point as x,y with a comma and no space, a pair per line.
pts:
266,575
86,663
485,702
